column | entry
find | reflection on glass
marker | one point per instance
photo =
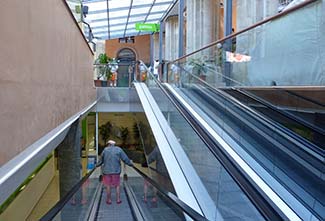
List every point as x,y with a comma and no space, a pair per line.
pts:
152,201
154,166
229,199
78,206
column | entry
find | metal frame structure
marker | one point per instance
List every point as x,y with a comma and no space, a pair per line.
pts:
109,19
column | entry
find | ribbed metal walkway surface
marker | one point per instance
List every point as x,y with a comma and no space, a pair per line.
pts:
114,211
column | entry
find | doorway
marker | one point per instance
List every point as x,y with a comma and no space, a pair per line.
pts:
126,58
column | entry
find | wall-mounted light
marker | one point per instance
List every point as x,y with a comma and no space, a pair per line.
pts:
85,10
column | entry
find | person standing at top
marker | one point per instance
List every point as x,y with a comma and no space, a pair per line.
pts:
143,72
111,168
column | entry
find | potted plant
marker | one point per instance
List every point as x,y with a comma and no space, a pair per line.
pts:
199,68
124,135
103,69
105,131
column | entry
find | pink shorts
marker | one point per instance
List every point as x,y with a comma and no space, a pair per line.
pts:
111,179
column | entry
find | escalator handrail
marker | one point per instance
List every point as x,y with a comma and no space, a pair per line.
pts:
284,113
172,198
308,207
303,97
264,206
302,142
61,203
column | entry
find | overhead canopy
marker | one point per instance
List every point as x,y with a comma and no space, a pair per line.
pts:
110,19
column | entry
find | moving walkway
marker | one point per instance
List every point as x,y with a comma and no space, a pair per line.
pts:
133,207
294,162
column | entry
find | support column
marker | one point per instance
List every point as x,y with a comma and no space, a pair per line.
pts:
156,46
151,51
180,28
248,13
171,38
202,23
96,136
228,43
69,159
161,50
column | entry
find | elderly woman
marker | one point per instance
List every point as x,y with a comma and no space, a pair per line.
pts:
111,168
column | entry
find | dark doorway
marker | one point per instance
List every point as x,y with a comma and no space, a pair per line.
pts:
126,58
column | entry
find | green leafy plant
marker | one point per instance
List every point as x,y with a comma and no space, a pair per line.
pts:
105,131
199,66
124,135
102,65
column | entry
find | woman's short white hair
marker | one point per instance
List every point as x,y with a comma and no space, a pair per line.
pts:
111,142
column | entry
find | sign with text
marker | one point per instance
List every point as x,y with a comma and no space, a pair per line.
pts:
147,27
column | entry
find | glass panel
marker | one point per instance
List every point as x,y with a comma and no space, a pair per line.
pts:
94,17
160,1
97,28
121,21
96,6
298,106
152,202
275,54
141,10
77,207
137,18
154,16
131,32
131,26
116,33
118,13
142,2
155,21
230,201
154,166
119,4
100,30
159,8
96,24
253,58
117,28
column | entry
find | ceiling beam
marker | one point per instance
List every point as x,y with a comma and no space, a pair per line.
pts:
127,20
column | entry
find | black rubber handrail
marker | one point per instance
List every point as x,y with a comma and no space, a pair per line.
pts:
174,200
266,209
317,149
303,97
280,129
59,205
316,162
284,113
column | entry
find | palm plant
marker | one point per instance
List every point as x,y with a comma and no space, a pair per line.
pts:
105,131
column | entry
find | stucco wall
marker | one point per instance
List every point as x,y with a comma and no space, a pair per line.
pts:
141,47
45,71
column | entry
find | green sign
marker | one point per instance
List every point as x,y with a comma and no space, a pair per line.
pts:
146,27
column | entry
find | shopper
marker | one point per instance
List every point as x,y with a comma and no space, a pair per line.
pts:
111,168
